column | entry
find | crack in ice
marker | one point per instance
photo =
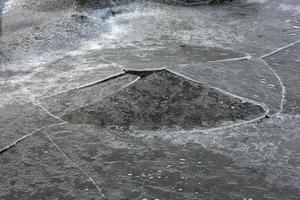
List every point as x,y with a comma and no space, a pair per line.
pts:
26,136
283,89
280,49
88,84
263,105
37,103
283,94
132,82
77,166
247,57
19,140
46,110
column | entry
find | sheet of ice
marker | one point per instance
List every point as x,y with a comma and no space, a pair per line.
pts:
250,79
47,79
255,159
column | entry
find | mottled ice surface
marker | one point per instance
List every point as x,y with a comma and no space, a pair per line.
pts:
150,101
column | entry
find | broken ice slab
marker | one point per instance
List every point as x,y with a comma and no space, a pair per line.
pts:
37,169
74,99
160,165
67,73
19,119
163,99
250,79
286,64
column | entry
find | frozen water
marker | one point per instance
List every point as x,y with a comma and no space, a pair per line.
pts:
235,65
163,99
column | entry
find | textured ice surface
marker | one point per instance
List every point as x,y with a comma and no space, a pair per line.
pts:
19,119
165,100
62,61
163,56
55,77
250,79
71,100
286,63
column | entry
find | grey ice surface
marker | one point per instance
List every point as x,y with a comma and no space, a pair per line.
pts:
149,101
163,99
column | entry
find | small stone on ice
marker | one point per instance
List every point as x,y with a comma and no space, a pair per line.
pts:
129,174
180,189
86,189
182,159
293,34
143,175
232,107
199,163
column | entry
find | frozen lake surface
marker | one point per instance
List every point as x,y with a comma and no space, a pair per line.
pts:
144,100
